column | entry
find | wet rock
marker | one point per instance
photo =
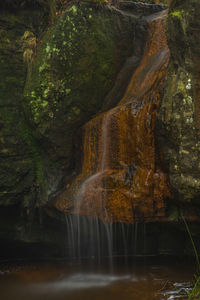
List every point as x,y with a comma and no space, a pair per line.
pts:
77,62
16,158
42,106
76,66
178,125
143,7
121,179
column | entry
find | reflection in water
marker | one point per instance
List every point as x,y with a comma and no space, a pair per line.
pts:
90,280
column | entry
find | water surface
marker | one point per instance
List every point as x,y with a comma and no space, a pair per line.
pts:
89,279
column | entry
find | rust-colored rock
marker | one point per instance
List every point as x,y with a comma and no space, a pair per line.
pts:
121,180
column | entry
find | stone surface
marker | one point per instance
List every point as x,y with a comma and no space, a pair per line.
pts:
21,222
76,66
121,179
82,66
16,159
42,105
178,124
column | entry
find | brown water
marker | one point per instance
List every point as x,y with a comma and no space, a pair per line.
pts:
90,280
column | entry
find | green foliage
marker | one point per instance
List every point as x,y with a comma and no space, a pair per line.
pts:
195,293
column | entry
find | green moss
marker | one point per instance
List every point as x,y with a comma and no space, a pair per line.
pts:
20,166
177,13
76,66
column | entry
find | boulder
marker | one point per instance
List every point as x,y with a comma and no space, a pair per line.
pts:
76,65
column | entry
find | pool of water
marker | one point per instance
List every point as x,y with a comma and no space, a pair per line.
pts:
89,279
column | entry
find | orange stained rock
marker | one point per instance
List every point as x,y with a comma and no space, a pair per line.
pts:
121,180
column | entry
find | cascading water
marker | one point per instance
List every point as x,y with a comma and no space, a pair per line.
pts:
121,185
91,237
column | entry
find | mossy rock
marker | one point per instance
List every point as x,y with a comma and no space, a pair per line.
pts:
77,61
76,65
16,163
178,121
182,30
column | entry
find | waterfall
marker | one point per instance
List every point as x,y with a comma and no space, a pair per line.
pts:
121,184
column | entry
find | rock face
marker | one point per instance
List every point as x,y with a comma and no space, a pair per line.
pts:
121,179
78,122
15,162
76,66
76,62
179,121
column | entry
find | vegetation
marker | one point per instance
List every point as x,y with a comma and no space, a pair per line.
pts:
195,293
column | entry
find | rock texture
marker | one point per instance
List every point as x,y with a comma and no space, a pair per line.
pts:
19,213
76,65
179,122
121,179
72,64
78,120
15,162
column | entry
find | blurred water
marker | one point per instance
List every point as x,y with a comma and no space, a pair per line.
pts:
91,280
